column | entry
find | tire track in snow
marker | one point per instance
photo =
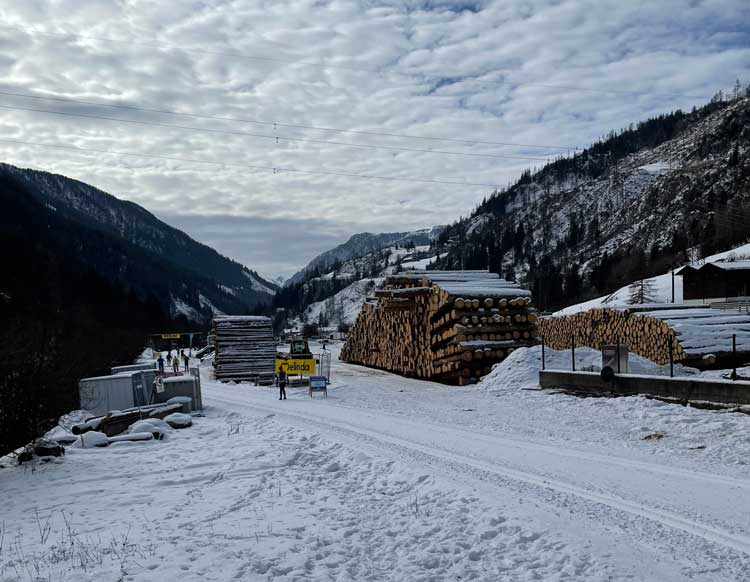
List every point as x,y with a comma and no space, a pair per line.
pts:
585,456
739,543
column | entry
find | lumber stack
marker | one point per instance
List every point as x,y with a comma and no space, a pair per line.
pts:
245,347
696,331
450,326
646,336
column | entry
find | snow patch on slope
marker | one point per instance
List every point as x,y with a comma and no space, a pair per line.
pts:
344,306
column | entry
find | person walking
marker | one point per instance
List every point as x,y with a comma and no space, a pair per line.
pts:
160,361
282,383
176,364
185,360
169,358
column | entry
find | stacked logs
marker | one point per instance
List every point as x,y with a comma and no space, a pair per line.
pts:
644,334
245,347
450,326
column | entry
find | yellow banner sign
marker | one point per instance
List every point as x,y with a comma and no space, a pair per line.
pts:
170,336
294,366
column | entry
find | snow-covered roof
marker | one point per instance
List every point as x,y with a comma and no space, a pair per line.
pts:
724,265
186,378
731,265
242,318
468,283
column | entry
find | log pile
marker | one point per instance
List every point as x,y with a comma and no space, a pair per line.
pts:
646,330
245,347
646,336
450,326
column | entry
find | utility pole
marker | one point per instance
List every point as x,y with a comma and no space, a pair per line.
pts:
673,284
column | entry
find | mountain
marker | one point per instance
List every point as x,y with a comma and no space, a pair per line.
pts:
362,244
660,193
331,289
361,275
60,320
126,244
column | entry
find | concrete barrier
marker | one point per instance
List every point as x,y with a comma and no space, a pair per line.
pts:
683,388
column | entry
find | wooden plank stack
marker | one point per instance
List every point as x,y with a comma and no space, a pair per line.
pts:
450,326
696,331
245,347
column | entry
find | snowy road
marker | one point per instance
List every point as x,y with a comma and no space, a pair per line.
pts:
700,520
394,479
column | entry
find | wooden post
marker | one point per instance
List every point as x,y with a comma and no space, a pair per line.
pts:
673,286
542,352
734,356
671,359
617,354
573,346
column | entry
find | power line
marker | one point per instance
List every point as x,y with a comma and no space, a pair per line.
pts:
288,125
265,136
274,169
727,220
435,78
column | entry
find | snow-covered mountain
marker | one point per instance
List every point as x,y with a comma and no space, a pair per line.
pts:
364,243
139,251
334,294
344,306
626,208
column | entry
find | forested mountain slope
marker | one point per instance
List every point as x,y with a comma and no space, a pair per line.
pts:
60,320
360,245
631,205
129,246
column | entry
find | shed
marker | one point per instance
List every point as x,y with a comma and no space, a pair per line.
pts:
134,367
719,281
101,394
187,385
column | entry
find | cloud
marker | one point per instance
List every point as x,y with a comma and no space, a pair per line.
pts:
272,246
521,71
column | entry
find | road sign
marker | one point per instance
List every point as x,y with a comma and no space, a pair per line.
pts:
170,336
318,384
293,366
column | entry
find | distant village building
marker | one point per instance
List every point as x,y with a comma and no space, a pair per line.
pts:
715,282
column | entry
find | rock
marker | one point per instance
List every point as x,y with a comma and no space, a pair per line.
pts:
44,447
179,420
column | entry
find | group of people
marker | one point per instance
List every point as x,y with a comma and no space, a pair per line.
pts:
174,361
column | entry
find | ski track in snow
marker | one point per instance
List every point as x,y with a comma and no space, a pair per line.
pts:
393,479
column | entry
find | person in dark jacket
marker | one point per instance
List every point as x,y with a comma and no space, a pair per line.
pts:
282,383
160,361
186,360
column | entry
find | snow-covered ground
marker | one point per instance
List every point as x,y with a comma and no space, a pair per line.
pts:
660,286
396,479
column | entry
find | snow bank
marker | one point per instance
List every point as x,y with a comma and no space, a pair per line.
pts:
179,420
92,439
155,426
520,370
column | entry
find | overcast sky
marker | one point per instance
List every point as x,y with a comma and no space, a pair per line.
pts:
539,73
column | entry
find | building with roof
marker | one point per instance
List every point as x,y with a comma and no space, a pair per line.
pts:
722,281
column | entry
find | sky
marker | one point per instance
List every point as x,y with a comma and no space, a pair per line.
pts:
280,103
